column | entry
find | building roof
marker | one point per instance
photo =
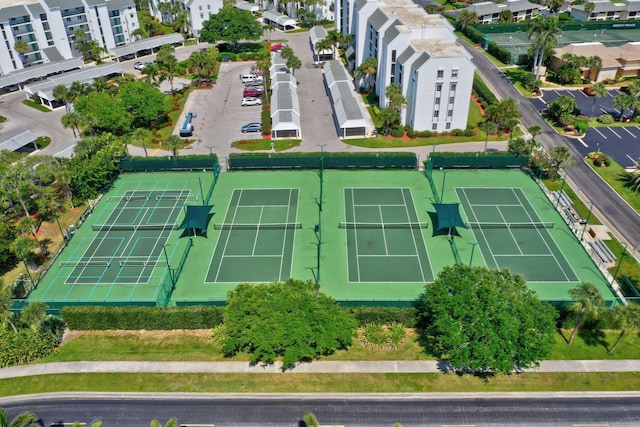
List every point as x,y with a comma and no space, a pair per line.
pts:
119,4
6,13
35,8
601,6
278,18
285,97
485,8
628,51
285,120
607,55
148,43
317,33
38,71
278,64
283,78
335,72
44,89
245,5
348,111
15,139
520,5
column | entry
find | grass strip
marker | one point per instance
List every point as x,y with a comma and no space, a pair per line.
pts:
320,383
581,207
614,175
265,144
629,265
35,105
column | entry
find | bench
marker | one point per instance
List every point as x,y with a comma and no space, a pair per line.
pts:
603,251
567,206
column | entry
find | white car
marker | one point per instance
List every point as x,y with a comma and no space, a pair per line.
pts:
248,101
140,65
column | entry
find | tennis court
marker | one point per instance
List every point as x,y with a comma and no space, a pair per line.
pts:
384,237
257,236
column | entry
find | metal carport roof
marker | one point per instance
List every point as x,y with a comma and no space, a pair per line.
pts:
148,43
38,71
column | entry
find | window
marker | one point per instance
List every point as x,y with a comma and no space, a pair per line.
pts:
208,6
448,125
436,114
202,16
438,87
454,74
440,74
449,113
437,102
434,126
200,7
451,99
452,87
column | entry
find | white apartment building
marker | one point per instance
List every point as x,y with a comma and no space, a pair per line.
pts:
197,11
48,27
417,51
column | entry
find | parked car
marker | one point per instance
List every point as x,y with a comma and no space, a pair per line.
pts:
252,92
588,91
139,65
248,101
277,47
252,127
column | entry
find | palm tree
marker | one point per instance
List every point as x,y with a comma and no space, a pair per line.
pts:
599,91
26,419
268,29
140,135
397,101
322,45
334,38
627,319
293,63
173,422
594,63
22,48
588,301
61,93
534,131
367,71
310,419
626,101
544,32
172,143
487,127
467,17
72,120
154,75
168,63
558,157
6,316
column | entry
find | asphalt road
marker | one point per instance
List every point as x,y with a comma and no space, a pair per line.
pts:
425,410
611,208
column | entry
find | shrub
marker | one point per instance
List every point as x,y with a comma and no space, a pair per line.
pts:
397,131
25,346
412,133
601,160
457,132
606,119
397,334
484,94
374,336
500,53
133,318
427,134
383,315
473,34
468,132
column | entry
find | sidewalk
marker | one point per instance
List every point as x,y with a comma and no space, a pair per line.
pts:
326,367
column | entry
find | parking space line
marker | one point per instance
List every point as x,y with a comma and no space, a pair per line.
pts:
584,94
629,132
631,158
582,142
596,129
614,132
616,110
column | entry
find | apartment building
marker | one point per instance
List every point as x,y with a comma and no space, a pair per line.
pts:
417,51
489,12
48,27
605,10
197,11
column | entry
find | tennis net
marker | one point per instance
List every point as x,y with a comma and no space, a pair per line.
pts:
383,225
117,227
88,263
139,263
128,198
264,226
177,197
510,225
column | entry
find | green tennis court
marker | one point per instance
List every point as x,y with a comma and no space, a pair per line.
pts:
384,236
256,240
511,235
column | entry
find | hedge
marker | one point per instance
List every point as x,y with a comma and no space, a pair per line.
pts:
383,315
484,94
100,318
25,346
500,53
473,34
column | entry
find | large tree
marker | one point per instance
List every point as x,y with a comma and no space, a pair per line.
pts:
503,113
544,32
231,25
484,321
101,112
144,102
367,72
292,320
588,301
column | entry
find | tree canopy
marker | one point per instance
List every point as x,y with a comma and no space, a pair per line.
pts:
484,321
291,319
231,25
144,102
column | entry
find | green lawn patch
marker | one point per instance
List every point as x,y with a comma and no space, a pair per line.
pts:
614,176
321,383
629,266
265,144
581,207
516,76
43,142
3,119
39,107
594,345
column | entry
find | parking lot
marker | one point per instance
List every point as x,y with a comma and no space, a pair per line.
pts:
621,143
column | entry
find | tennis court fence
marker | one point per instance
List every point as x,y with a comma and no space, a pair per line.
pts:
383,225
501,160
327,160
124,262
133,227
263,226
163,164
568,26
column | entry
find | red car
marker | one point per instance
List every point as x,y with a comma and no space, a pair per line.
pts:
587,90
252,92
277,47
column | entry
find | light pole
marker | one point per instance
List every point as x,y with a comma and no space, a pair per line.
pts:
564,178
444,178
321,173
166,257
624,252
586,221
473,247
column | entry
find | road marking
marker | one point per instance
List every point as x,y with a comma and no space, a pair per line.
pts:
603,110
458,425
614,132
582,92
616,110
631,158
543,101
596,129
591,425
582,142
154,152
629,132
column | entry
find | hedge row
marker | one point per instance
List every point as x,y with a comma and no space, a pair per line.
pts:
101,318
473,34
383,315
484,94
25,346
500,53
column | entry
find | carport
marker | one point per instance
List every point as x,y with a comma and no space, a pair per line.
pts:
16,139
44,89
17,78
147,44
285,124
278,20
245,5
350,115
285,110
316,35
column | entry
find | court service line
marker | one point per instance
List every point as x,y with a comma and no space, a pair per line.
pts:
284,238
226,243
413,233
510,232
355,229
384,233
255,238
495,261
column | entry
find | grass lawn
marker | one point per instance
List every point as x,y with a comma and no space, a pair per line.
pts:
35,105
582,208
265,144
613,174
629,267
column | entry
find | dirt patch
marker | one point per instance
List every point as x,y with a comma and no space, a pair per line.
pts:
69,334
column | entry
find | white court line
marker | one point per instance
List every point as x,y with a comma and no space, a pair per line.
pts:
582,142
384,232
614,132
486,241
596,129
629,132
251,256
481,204
375,206
395,256
226,243
413,234
510,232
255,239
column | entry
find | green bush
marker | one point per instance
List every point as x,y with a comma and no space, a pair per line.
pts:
601,160
500,53
375,336
567,319
25,346
397,131
134,318
232,56
266,118
581,125
606,119
484,94
397,334
383,315
473,34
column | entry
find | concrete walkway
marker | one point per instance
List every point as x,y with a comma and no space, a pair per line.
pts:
324,367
